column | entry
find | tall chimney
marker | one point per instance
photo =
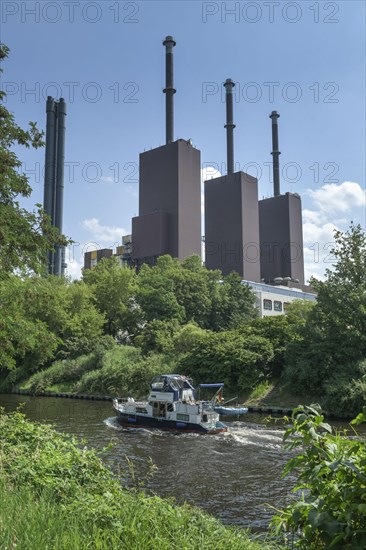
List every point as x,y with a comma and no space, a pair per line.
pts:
169,89
229,85
275,154
50,169
59,268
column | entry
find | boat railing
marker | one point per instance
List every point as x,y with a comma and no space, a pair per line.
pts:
124,399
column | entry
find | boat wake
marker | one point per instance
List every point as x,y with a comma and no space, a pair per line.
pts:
256,435
113,423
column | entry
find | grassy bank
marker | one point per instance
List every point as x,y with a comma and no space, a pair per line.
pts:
57,494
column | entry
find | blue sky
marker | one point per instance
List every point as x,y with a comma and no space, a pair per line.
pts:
304,59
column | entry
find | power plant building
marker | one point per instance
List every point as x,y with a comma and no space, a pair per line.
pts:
169,220
260,240
231,225
280,228
231,214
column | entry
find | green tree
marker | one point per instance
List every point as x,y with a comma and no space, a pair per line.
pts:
157,336
43,317
114,290
281,330
333,343
156,292
234,304
21,335
24,236
230,357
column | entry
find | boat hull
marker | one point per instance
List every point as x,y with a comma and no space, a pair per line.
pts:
139,421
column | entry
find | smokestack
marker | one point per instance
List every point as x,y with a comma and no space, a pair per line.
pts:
275,154
54,177
59,268
50,169
169,89
229,85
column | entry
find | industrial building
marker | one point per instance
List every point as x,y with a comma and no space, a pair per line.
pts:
259,239
274,300
280,227
122,254
231,213
169,220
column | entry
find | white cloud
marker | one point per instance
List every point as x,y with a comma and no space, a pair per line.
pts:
332,200
74,268
104,234
209,172
329,203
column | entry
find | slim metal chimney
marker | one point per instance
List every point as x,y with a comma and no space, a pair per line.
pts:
54,177
59,268
169,89
50,169
275,154
229,85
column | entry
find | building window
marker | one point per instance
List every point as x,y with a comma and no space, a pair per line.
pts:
277,306
267,304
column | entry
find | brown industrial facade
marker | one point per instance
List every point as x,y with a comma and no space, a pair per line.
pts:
232,225
95,256
169,220
280,232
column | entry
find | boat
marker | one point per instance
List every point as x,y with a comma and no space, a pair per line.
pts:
171,405
221,406
230,411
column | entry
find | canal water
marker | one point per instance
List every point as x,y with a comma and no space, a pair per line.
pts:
234,476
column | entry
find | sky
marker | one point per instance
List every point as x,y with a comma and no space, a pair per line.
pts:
106,59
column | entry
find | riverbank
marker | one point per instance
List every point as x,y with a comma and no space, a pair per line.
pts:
56,493
276,400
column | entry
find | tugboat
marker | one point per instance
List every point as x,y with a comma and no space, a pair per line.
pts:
171,405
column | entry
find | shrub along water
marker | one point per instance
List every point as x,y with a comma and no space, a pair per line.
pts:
55,493
329,511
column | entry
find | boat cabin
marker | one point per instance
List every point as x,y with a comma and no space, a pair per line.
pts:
171,388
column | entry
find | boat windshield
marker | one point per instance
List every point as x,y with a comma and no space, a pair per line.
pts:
176,382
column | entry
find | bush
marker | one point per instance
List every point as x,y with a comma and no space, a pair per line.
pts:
124,372
238,360
330,511
346,395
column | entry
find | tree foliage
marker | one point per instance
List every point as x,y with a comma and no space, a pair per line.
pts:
113,289
332,347
329,510
230,357
42,317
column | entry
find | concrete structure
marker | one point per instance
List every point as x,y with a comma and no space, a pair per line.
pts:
169,220
92,258
54,177
231,225
280,227
273,300
124,252
231,213
280,231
